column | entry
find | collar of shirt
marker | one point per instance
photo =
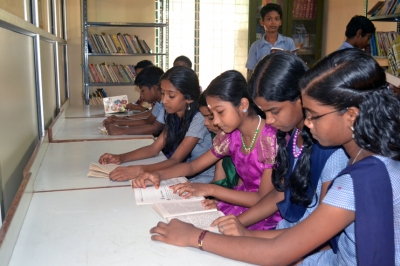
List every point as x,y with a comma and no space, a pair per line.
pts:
346,45
279,40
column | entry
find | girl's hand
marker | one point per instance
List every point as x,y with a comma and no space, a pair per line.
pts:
230,225
188,189
124,173
176,233
107,158
140,181
209,204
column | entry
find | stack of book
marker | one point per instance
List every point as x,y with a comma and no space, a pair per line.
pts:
382,8
117,44
96,98
381,43
304,9
103,73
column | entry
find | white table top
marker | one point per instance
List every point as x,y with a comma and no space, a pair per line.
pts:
86,129
65,165
97,227
81,111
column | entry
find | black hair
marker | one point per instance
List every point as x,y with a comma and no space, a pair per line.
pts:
276,78
231,86
184,59
143,64
359,23
186,82
271,7
352,78
149,77
202,100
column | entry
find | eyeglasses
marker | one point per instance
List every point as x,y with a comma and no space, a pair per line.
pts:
310,119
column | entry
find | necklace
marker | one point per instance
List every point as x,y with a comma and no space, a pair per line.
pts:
296,154
359,152
247,150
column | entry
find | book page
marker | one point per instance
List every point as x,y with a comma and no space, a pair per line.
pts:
180,208
101,170
200,220
151,195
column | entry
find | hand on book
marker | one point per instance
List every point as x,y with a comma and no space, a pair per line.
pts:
186,190
142,180
124,173
176,233
209,204
107,158
231,226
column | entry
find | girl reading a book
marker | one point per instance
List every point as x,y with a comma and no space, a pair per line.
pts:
245,137
303,168
346,102
225,173
184,137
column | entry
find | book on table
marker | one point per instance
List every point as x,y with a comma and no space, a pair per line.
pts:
115,104
101,170
172,206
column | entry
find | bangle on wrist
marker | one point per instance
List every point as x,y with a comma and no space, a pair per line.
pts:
200,241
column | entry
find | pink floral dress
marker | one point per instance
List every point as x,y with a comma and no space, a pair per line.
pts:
250,167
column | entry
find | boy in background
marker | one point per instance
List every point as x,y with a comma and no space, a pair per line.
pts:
183,61
358,32
271,20
148,82
138,104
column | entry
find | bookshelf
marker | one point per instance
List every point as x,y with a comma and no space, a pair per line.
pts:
302,21
113,65
389,16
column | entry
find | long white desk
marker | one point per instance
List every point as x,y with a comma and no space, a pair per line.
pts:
81,111
79,129
97,227
65,165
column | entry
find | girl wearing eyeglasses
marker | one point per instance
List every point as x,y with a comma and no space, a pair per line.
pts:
360,213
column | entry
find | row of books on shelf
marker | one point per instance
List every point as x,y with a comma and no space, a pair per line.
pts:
96,98
117,44
103,73
304,40
304,9
387,7
381,42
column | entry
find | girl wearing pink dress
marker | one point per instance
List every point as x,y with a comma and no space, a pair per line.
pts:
245,137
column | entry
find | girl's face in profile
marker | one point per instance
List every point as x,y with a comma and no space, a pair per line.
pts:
284,116
327,125
208,119
172,99
226,116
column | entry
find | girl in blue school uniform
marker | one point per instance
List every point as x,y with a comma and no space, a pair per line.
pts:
346,102
184,137
303,168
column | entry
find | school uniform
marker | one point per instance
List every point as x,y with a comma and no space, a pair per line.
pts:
261,48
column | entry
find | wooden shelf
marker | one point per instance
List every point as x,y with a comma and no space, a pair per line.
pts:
392,18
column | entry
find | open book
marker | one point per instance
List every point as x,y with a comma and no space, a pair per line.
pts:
101,170
115,104
151,195
274,49
190,212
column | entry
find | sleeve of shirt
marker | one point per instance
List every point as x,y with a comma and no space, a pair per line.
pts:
341,194
221,144
335,163
161,116
156,109
197,128
251,58
291,44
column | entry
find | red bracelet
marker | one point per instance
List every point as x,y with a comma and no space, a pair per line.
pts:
200,241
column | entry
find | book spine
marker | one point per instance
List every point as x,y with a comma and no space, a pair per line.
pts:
129,40
117,44
140,46
100,73
127,44
110,43
147,47
121,41
104,45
